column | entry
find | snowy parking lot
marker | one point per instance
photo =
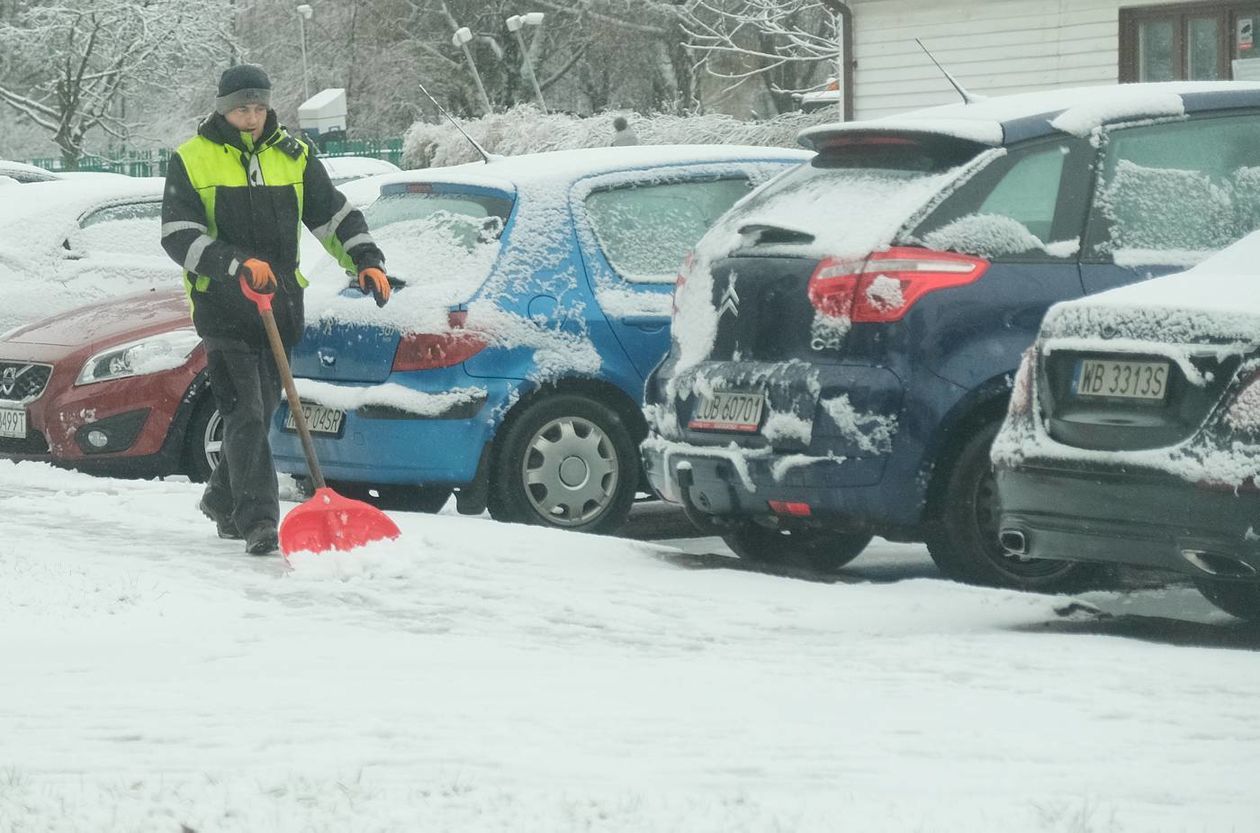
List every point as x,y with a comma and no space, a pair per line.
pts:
477,676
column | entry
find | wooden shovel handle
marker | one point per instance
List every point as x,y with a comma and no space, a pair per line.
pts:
263,302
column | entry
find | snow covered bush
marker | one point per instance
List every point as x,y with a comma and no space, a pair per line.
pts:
525,129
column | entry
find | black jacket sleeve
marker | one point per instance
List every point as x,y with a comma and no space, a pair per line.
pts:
185,229
338,225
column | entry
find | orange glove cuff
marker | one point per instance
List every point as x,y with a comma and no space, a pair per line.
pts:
379,283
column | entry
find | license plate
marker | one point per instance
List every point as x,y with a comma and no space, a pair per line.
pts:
13,423
1106,378
319,419
725,411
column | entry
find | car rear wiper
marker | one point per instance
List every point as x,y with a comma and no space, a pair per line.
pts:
763,234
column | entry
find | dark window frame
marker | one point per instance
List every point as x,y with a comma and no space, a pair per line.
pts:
1180,13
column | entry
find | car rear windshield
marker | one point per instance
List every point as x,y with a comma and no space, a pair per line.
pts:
432,233
852,197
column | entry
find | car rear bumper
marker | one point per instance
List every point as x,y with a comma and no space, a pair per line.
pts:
393,447
1145,520
732,482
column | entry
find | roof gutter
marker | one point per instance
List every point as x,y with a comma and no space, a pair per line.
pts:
845,59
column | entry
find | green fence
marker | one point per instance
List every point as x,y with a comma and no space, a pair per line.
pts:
153,162
391,150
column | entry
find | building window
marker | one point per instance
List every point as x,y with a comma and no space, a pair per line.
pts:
1190,42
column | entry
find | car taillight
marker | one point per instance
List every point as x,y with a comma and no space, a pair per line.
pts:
429,351
681,280
1022,387
885,285
1243,414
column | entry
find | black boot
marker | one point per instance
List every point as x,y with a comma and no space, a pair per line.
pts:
261,540
222,521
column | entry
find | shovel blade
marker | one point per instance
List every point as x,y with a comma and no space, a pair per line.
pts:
329,521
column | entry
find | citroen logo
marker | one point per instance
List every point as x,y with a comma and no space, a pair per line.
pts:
9,377
730,300
327,359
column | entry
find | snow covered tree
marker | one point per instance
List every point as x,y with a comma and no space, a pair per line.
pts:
67,63
791,46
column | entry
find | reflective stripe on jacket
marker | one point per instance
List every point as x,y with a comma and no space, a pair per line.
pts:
228,199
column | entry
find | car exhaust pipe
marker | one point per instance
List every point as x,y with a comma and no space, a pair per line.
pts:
1217,564
1013,541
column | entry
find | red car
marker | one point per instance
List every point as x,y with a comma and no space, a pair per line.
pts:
118,387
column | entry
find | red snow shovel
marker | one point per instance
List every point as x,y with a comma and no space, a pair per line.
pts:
328,521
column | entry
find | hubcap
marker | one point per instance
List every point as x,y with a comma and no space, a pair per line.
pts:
570,471
212,440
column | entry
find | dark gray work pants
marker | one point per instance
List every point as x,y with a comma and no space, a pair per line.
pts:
247,389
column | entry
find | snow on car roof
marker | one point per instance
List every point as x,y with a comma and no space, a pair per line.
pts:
507,173
355,167
46,211
8,165
1075,110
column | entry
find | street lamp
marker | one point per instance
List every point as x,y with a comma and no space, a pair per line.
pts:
461,38
304,14
844,58
514,25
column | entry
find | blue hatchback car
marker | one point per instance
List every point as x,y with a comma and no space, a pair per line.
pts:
846,339
510,367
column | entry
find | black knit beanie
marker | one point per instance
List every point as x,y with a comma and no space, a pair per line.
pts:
243,84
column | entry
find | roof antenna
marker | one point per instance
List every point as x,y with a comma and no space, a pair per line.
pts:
968,98
484,155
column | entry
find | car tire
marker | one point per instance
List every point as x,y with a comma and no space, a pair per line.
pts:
813,549
203,440
1237,598
568,462
426,499
963,537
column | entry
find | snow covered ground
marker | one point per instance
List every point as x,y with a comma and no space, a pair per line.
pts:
473,676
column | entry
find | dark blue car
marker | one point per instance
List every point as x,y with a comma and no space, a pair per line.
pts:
510,368
845,340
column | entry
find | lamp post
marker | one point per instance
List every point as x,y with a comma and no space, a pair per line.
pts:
304,14
461,38
844,55
514,24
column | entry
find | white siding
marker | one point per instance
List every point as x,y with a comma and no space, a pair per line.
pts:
993,47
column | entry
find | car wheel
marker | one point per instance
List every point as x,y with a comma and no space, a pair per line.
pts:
1237,598
814,549
963,538
427,499
566,461
203,443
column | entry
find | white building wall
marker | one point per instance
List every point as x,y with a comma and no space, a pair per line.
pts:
993,47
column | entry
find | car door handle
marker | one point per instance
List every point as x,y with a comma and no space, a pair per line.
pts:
650,323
